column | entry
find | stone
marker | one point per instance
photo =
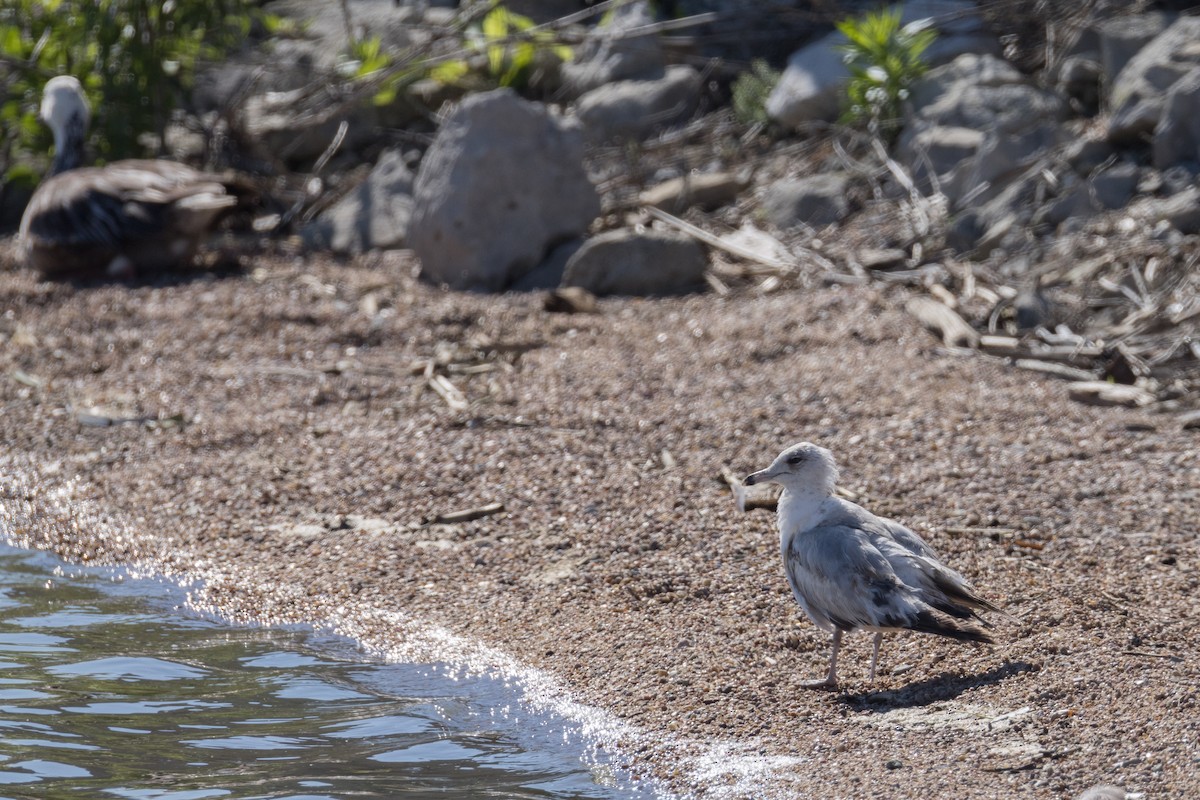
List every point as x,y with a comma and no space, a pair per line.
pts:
570,300
276,127
623,262
502,183
374,215
1140,91
1123,37
632,110
975,123
612,52
816,200
1177,136
1084,155
970,68
810,88
938,150
1104,191
1079,78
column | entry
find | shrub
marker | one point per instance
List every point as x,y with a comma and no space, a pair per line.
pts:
750,92
884,59
133,57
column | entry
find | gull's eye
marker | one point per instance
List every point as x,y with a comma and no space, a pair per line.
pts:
796,459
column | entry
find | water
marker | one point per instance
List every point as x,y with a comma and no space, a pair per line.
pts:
107,689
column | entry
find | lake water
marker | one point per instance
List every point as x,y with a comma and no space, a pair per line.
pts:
109,689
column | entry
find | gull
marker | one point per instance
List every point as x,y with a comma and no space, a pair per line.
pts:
116,219
851,570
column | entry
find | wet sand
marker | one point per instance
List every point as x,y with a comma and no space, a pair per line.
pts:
277,434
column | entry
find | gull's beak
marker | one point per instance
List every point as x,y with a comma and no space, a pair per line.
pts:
762,476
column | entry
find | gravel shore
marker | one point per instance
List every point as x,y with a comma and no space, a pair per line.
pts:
302,437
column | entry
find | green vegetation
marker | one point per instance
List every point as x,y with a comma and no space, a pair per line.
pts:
133,57
884,59
750,92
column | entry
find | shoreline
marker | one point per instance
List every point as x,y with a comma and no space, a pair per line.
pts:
274,430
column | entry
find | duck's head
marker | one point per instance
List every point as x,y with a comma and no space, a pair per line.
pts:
65,111
801,467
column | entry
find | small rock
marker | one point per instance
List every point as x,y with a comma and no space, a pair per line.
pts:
1140,91
374,215
1103,792
611,52
1177,136
816,200
632,110
570,300
626,263
893,763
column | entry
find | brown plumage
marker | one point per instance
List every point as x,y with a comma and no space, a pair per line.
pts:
133,216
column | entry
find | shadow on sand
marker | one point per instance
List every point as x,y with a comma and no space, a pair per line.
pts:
945,686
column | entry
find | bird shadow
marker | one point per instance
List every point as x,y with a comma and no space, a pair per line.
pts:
945,686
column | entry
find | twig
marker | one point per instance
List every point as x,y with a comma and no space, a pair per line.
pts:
448,392
466,515
715,241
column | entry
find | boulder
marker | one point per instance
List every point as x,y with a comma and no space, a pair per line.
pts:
810,88
816,200
374,215
1121,38
632,110
623,262
502,183
1139,92
279,126
612,52
1177,137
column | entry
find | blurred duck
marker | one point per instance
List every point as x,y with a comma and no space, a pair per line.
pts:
129,217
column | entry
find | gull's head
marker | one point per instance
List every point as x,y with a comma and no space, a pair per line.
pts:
64,106
802,467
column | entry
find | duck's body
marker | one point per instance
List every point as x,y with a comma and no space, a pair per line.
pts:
128,217
851,570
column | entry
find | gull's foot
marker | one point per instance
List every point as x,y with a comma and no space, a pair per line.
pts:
826,684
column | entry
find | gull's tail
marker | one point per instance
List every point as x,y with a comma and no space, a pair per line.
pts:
926,622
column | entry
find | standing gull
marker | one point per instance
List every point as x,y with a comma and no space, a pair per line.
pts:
851,570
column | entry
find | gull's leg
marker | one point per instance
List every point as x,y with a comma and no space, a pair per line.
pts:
830,681
875,655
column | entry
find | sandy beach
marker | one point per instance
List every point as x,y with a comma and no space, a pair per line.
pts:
314,437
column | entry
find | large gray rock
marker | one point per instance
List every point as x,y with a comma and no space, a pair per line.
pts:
612,52
811,86
374,215
503,183
816,200
1139,93
1121,38
1177,137
641,264
632,110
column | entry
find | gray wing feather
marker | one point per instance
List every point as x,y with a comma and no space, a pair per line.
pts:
842,580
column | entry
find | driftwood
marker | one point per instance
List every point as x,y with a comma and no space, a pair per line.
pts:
466,515
1102,393
939,317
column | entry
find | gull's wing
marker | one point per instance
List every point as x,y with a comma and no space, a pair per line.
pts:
841,578
915,563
